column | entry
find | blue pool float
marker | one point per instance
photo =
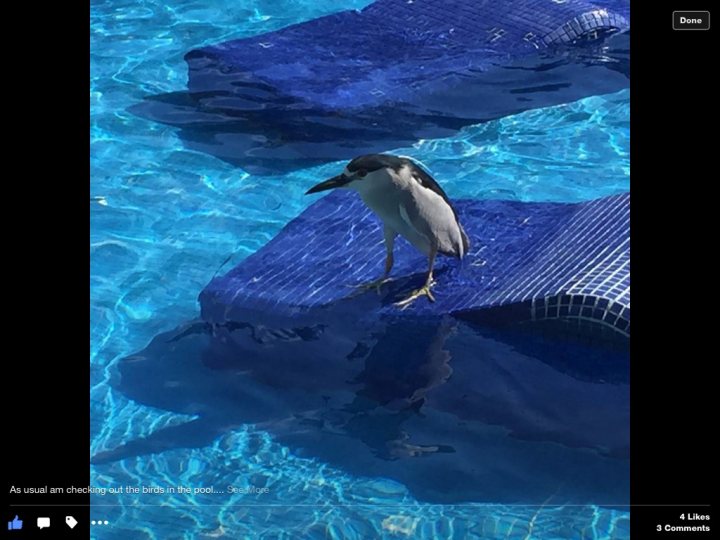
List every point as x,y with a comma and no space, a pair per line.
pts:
528,262
475,397
430,55
368,81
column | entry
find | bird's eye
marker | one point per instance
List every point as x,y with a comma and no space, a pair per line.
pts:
361,173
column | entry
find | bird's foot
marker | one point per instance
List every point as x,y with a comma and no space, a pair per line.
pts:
376,284
423,291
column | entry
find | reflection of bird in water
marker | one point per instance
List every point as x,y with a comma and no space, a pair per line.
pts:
410,203
395,387
395,381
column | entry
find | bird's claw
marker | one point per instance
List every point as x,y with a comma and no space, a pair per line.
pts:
423,291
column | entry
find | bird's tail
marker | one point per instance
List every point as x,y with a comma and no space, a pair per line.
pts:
465,242
463,259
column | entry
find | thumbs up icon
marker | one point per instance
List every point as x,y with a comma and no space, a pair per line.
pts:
15,524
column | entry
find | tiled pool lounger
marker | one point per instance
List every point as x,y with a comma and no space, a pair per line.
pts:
381,78
527,261
397,51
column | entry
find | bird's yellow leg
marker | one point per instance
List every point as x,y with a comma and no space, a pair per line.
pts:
424,290
378,283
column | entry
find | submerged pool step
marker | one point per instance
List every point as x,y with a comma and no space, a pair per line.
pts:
527,261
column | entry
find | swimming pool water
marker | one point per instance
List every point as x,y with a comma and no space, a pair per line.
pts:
165,219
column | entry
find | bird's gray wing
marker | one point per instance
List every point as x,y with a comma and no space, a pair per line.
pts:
426,180
429,214
411,214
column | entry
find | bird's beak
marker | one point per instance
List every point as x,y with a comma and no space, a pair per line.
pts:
335,182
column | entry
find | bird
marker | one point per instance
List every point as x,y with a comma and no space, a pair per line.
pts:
410,203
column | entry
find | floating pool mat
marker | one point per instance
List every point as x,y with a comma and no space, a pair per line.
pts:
444,398
561,262
385,76
428,53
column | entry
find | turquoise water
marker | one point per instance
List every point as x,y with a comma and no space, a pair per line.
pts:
165,219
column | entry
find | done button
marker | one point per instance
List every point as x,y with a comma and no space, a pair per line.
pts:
691,20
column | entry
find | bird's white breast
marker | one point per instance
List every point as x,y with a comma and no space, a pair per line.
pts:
386,196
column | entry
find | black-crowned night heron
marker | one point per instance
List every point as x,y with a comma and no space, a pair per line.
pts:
410,203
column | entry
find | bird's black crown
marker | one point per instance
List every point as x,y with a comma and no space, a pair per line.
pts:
374,162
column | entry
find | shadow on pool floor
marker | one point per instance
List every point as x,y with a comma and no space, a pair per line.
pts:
455,412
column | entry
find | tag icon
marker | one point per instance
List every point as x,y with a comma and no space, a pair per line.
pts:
70,521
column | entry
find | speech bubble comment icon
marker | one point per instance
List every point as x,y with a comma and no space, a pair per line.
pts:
43,522
70,521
